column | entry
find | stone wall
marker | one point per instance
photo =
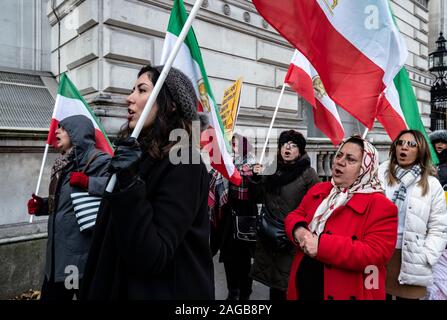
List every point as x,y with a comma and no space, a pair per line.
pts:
22,264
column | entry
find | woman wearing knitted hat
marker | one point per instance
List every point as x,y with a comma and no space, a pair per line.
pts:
280,193
152,235
422,228
344,231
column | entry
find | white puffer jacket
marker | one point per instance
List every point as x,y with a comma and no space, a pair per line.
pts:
425,229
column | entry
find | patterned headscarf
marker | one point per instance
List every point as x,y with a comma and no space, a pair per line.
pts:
366,182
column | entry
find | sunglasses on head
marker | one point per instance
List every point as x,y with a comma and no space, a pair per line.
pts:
403,143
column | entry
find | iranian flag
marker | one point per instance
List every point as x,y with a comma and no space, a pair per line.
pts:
354,45
69,102
398,109
189,61
304,79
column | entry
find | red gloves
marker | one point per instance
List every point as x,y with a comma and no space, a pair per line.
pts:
79,179
35,204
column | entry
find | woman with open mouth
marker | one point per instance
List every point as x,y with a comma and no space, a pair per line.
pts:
80,168
422,228
152,240
281,190
344,230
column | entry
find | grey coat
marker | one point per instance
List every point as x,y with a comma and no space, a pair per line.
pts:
67,245
272,267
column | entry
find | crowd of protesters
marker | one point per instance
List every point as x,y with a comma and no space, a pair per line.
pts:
372,232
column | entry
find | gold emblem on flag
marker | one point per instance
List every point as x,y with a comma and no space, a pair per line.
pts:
319,89
332,6
203,96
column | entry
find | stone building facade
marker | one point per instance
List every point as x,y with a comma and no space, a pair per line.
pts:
101,44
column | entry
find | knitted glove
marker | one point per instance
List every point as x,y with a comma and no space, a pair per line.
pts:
126,162
35,204
79,179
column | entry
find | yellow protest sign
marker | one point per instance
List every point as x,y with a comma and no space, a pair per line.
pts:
229,108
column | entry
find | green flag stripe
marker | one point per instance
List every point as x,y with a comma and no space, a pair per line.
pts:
408,102
410,107
176,22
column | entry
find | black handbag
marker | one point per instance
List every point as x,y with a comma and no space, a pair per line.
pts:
244,227
271,228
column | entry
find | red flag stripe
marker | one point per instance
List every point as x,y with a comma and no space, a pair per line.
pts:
343,69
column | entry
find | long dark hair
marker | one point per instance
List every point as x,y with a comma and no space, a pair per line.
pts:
423,159
155,139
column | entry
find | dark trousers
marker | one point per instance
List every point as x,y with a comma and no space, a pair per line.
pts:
52,290
237,270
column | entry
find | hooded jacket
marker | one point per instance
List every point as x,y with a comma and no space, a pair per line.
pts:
66,245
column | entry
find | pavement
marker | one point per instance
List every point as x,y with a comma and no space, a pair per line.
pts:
260,291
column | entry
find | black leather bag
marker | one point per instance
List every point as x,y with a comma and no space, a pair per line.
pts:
271,228
244,227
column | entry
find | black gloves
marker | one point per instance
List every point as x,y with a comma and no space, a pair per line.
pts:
126,161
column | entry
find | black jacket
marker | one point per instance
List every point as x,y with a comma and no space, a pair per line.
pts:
272,266
152,240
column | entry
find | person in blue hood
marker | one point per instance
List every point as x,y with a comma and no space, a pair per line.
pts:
80,167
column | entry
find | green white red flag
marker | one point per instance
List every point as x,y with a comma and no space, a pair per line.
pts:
189,61
354,46
69,102
398,109
304,79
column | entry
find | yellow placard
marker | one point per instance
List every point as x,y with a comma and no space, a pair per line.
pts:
230,107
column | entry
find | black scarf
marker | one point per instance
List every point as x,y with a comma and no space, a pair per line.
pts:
285,174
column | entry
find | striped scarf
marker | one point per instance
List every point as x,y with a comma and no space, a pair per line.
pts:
406,177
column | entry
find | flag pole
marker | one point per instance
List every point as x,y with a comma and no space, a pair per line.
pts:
161,80
271,123
365,133
44,159
45,153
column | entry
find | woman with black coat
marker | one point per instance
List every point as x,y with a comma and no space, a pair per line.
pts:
152,236
281,192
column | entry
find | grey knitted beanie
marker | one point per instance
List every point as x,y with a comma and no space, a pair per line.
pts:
184,96
438,135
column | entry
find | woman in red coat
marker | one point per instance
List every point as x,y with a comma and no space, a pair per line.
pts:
346,230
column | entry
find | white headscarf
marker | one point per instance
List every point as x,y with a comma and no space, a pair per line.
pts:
366,182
